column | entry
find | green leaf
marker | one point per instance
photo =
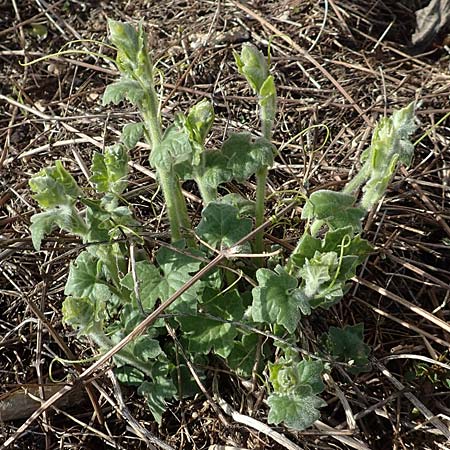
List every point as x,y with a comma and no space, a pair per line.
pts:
132,55
300,377
252,64
268,99
124,89
159,390
240,157
297,412
146,348
306,249
335,208
110,169
245,207
83,276
64,216
125,37
221,226
347,345
149,280
132,133
332,242
276,299
177,268
205,334
54,187
245,155
175,152
84,314
243,356
390,146
129,375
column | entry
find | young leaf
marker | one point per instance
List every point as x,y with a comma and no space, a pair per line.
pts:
84,314
317,271
199,121
347,345
124,89
175,152
294,400
110,169
132,133
54,186
132,55
268,100
125,37
252,64
245,207
335,208
390,146
221,226
297,412
276,299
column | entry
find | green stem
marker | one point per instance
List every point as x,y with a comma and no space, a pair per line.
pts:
208,193
173,195
261,178
261,181
354,184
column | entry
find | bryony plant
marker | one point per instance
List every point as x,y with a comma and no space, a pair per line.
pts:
110,289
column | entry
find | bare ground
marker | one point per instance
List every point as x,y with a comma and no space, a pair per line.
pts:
339,64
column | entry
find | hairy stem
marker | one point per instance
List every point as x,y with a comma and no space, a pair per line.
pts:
261,180
170,185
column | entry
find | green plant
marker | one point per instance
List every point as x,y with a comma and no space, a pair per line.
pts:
110,289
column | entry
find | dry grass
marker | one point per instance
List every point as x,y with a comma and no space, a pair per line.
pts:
342,70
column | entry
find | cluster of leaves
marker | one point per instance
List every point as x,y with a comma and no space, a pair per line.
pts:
109,289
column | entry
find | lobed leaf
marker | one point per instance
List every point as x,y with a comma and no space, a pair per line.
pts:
65,217
276,299
124,89
84,275
199,121
204,333
132,133
297,412
347,345
221,226
175,153
159,390
246,155
148,279
110,169
54,187
335,208
243,355
294,400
